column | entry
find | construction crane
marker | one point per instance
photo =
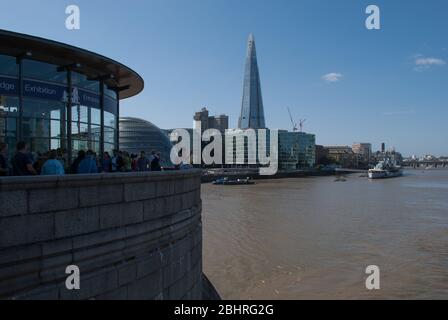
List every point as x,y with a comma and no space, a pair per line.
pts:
294,124
296,127
301,122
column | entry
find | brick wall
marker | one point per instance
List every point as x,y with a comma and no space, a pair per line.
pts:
133,236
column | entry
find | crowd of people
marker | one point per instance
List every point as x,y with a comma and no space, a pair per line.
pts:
87,162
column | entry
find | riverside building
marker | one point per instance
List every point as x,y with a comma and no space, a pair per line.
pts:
297,150
56,96
363,151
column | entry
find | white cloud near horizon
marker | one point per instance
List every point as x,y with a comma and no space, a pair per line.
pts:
332,77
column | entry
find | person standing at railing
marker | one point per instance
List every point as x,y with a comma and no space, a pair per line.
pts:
88,164
52,167
143,163
106,163
155,162
22,164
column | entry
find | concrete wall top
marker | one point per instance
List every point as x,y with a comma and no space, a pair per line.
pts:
79,180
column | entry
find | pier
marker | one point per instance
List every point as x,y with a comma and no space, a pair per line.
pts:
426,164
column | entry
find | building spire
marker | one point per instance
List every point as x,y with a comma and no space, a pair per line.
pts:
251,37
252,111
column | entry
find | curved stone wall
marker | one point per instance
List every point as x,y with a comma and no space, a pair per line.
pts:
132,235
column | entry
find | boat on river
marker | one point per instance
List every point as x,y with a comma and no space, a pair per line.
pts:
385,169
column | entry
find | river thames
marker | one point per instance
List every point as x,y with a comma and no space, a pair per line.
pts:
312,238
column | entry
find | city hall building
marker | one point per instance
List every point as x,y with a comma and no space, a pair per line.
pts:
56,96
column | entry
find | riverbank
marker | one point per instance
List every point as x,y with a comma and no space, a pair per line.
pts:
212,175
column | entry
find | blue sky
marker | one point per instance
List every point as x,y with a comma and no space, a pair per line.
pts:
392,84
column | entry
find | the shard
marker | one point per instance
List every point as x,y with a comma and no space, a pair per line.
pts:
252,112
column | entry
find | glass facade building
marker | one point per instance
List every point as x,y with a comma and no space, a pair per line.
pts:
241,147
138,135
297,150
252,111
55,96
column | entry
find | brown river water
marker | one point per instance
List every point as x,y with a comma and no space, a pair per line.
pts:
312,238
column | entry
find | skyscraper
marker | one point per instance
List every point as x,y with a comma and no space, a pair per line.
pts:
252,112
203,117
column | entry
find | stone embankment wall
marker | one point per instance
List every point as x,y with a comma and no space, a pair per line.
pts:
132,236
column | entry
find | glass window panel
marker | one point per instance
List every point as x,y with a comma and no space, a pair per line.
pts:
55,114
110,105
109,147
79,145
95,146
11,142
55,129
95,115
46,109
35,127
80,130
9,105
55,144
38,146
80,113
8,117
110,93
109,120
81,81
8,66
109,135
43,71
96,132
8,127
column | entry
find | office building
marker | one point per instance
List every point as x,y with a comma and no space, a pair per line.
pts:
297,150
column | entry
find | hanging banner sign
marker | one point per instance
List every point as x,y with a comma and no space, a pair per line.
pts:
48,91
35,89
88,99
9,86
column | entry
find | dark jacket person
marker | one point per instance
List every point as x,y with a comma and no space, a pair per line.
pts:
75,164
155,163
22,165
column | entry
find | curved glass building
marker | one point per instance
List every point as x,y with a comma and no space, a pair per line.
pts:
56,96
138,135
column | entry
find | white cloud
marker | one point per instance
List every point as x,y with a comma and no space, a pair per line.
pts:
332,77
423,63
429,62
